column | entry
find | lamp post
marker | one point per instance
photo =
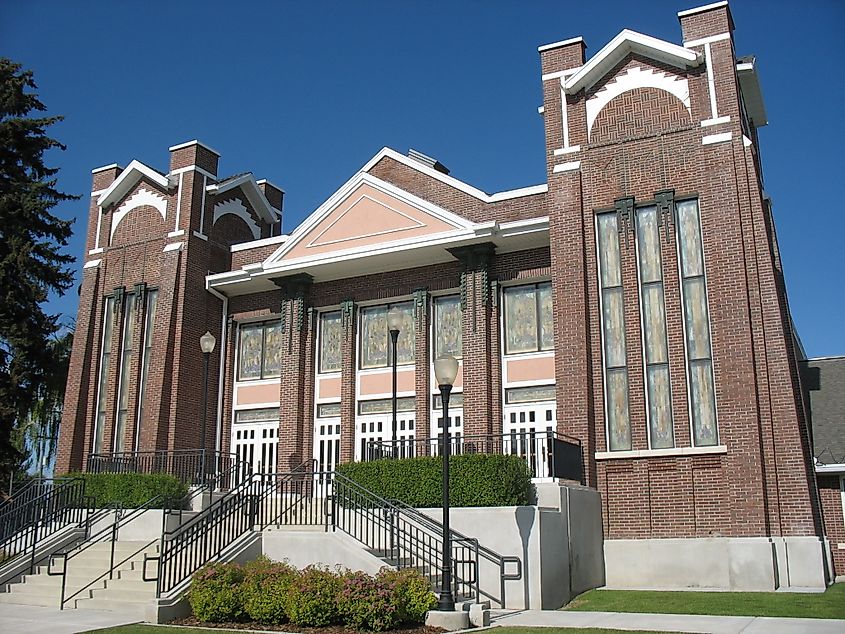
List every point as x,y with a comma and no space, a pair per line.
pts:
207,342
445,371
394,323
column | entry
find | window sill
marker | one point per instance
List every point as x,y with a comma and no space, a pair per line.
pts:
660,453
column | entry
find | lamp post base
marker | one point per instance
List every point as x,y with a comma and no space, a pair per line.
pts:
447,620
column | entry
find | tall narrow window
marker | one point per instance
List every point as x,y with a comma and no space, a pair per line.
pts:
613,331
102,381
127,353
697,324
448,328
149,324
330,342
653,312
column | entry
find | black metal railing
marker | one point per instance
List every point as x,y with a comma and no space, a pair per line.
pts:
204,467
27,525
548,454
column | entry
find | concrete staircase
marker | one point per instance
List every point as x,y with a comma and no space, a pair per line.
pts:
126,591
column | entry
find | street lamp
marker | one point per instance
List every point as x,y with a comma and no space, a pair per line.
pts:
207,342
445,371
394,323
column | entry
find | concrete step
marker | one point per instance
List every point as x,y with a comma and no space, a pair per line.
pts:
125,594
129,608
48,599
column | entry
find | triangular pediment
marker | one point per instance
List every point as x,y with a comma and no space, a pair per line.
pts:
367,214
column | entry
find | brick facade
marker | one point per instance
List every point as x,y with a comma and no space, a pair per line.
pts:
648,138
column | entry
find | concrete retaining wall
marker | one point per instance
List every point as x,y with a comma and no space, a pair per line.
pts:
718,563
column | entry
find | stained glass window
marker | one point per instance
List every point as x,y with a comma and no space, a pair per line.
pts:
260,351
658,389
330,342
448,327
375,338
613,331
149,325
529,318
102,381
697,322
127,353
385,406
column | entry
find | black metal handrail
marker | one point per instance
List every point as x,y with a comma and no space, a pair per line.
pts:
28,525
549,454
216,469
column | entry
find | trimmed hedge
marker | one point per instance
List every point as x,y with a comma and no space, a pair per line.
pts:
273,593
130,490
474,480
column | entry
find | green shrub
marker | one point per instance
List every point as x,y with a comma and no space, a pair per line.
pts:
475,480
265,590
312,598
131,490
411,591
216,593
366,603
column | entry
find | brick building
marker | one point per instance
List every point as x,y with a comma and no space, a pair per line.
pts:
635,301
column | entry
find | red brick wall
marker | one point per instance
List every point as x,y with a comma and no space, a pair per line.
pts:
834,522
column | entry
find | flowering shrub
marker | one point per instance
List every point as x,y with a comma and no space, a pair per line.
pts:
366,603
273,593
215,594
411,591
312,598
265,590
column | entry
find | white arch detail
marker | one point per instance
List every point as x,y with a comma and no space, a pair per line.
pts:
144,197
235,207
636,77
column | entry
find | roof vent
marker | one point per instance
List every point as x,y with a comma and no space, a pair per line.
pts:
427,160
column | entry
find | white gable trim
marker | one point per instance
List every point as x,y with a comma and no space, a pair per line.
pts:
626,42
144,197
235,207
451,181
633,78
134,172
341,194
253,192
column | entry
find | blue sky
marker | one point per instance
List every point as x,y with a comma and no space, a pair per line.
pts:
305,93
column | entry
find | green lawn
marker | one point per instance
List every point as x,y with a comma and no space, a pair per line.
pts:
150,629
827,605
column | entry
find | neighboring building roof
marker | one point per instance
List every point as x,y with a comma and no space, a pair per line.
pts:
824,382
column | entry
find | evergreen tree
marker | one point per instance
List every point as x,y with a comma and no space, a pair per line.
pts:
32,263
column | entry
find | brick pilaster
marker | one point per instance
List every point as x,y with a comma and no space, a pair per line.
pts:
349,323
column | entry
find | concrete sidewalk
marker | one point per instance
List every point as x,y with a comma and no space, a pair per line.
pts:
669,622
33,619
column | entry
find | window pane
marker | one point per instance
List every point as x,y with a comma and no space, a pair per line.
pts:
264,415
530,394
689,236
272,350
520,320
374,337
547,335
660,407
385,406
126,355
609,250
703,403
407,334
102,391
330,342
149,326
648,245
654,321
448,328
328,410
614,328
619,427
249,359
695,307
